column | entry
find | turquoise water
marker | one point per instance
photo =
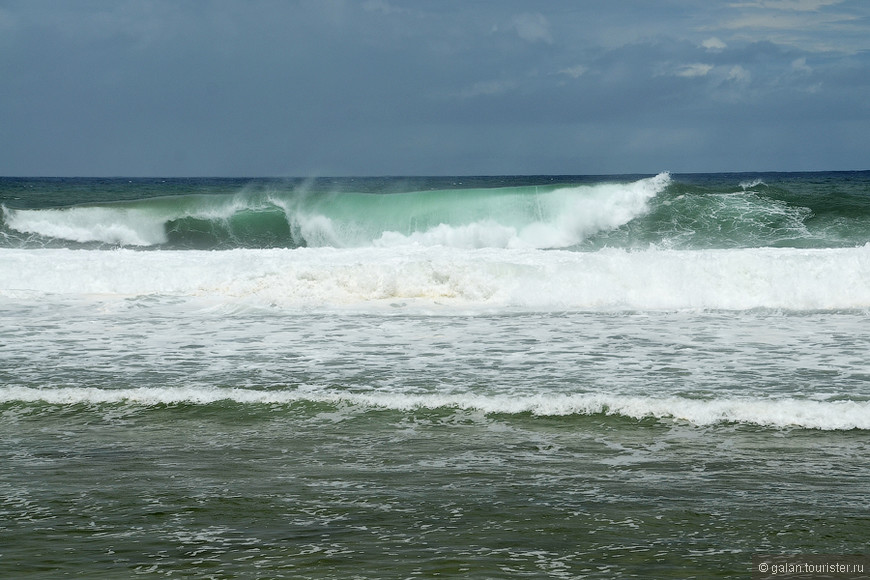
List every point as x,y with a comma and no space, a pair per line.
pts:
639,377
688,212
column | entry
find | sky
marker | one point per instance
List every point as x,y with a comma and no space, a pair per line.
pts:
312,88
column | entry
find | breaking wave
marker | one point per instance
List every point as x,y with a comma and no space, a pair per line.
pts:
510,217
780,413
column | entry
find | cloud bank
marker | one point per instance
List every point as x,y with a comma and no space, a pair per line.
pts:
332,87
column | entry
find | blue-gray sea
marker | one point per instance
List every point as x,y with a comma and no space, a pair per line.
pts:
647,376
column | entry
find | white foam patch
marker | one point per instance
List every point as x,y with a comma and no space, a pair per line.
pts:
378,278
780,413
122,223
124,226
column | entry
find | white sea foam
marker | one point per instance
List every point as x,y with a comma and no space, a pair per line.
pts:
782,413
125,226
376,278
750,184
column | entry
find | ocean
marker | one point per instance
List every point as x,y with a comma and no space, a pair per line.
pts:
640,376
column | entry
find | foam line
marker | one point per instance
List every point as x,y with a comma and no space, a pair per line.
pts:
376,278
782,413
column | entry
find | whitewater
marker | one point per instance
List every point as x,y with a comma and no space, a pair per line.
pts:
438,279
541,376
537,248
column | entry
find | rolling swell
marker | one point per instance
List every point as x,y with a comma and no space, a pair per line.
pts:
706,214
687,213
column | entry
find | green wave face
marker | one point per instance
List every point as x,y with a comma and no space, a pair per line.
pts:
525,216
661,211
710,214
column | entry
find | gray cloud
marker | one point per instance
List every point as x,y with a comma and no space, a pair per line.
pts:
445,87
532,27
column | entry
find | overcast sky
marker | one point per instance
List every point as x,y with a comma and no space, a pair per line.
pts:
432,87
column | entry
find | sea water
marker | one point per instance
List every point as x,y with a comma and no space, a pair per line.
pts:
484,377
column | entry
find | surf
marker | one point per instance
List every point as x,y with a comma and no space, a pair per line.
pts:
507,217
692,212
426,279
767,412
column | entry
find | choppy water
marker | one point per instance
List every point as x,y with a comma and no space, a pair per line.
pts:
470,377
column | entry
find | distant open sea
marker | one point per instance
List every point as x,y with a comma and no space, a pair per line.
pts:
471,377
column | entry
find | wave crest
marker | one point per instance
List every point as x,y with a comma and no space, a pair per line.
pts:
778,413
536,217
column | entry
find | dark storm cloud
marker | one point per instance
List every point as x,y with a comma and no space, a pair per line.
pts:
431,87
